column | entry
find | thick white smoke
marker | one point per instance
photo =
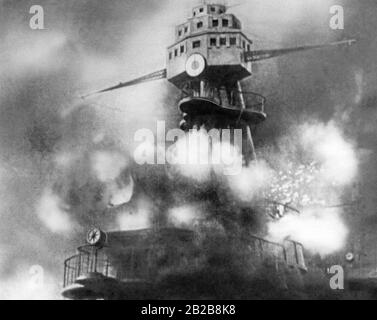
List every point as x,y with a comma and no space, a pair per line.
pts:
251,181
30,283
184,216
335,155
333,167
320,230
54,213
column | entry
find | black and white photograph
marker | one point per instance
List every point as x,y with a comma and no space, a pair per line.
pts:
202,151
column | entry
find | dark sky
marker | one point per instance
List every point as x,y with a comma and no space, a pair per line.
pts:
91,44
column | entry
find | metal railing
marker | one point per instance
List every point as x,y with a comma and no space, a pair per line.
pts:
291,253
263,249
139,266
253,101
84,263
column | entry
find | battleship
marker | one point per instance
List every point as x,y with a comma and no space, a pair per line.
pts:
225,255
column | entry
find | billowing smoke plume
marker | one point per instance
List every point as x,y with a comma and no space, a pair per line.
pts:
54,213
323,166
336,157
320,230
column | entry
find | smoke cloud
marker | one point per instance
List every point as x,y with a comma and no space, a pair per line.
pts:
324,166
335,155
320,230
54,214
